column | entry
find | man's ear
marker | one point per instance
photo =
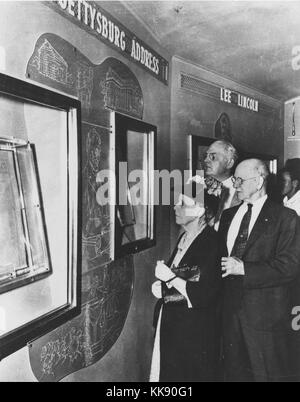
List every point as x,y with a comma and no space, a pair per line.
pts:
295,184
230,163
261,182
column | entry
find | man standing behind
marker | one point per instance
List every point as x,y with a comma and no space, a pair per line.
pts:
290,184
220,159
262,262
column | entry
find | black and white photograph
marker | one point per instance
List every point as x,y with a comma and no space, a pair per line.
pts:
149,193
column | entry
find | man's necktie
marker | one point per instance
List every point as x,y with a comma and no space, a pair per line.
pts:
242,237
235,283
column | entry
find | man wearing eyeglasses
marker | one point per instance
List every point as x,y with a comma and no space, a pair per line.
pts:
220,159
259,266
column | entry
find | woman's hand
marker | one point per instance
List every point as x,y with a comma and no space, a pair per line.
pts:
156,289
163,272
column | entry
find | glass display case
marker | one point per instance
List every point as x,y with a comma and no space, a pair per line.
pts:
40,230
134,220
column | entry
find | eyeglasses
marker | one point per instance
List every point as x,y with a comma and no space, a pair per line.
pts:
238,181
211,156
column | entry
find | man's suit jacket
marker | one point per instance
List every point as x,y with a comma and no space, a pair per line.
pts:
261,320
271,261
234,202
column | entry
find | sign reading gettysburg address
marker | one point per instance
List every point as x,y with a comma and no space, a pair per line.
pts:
99,23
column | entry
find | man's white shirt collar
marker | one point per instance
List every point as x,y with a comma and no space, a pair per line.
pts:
258,204
293,202
228,183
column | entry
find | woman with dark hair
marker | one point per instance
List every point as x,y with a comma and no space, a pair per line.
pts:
187,339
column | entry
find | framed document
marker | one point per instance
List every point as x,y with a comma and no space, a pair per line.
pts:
40,230
24,254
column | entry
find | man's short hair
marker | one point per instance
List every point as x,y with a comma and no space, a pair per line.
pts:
258,166
229,149
292,166
262,168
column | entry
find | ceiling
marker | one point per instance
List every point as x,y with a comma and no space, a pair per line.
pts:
250,42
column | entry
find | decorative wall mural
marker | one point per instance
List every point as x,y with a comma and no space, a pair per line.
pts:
96,219
84,84
107,286
49,63
62,68
121,94
81,342
116,88
100,88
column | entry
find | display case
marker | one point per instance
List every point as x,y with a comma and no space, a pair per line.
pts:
134,210
40,224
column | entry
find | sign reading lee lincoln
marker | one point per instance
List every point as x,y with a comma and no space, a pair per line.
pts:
228,96
96,21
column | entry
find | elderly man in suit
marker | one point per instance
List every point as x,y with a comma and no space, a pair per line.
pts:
220,159
259,267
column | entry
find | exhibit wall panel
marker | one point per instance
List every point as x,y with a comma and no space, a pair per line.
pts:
292,129
20,34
